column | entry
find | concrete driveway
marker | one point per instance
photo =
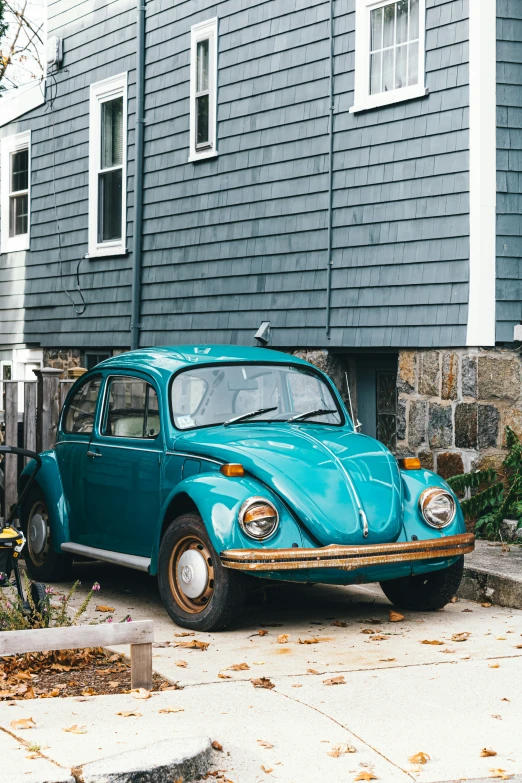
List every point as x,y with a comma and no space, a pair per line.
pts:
398,696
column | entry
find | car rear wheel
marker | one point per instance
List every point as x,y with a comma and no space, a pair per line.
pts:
42,562
196,590
425,592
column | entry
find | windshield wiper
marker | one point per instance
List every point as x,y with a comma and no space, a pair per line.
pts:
245,416
309,414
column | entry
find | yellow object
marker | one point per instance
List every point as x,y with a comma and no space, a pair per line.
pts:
232,470
410,463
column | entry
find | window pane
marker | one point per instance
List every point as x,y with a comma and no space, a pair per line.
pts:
413,63
400,66
125,417
112,133
80,412
19,170
375,73
202,65
18,215
202,123
152,423
389,25
376,29
402,21
414,19
387,70
110,205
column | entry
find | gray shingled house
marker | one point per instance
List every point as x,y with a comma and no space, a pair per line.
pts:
348,171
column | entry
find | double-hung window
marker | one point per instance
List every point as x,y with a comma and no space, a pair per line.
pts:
108,167
15,192
389,52
203,90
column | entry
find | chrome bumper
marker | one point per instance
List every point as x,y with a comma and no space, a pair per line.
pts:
347,558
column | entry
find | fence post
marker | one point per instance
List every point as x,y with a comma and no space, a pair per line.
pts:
30,416
11,439
48,406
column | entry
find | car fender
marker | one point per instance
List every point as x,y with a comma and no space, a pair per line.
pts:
50,482
218,500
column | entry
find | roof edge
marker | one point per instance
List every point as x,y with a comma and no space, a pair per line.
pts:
22,101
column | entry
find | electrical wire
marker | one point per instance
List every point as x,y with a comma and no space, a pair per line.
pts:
78,309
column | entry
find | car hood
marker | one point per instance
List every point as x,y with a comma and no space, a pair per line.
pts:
332,478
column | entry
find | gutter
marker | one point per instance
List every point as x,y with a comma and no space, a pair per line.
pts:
330,176
135,324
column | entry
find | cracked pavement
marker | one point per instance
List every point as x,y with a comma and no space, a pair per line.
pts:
399,696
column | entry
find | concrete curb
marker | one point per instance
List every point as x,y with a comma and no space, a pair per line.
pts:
500,589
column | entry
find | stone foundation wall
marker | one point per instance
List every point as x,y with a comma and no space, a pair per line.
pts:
62,358
454,406
337,367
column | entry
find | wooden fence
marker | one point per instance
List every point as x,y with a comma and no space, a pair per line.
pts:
43,399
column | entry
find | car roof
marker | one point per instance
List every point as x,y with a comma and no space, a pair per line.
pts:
165,360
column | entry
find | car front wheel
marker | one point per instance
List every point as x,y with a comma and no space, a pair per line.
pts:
425,592
41,560
196,590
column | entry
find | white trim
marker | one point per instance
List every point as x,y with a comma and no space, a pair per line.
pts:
482,173
200,32
108,89
9,145
362,98
21,101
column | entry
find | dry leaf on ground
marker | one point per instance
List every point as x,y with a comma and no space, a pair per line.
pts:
194,644
217,746
23,723
314,640
396,617
494,665
340,624
238,667
262,632
486,605
264,744
185,633
460,637
335,681
282,638
431,641
313,671
140,693
88,692
365,775
223,676
76,729
297,685
104,608
167,710
182,664
340,750
263,682
379,638
387,660
268,770
368,630
488,752
500,773
454,600
419,758
447,650
129,714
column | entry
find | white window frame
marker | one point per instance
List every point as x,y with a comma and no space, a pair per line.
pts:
100,92
199,32
12,144
362,98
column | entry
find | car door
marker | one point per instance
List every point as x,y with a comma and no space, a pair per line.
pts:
124,467
72,445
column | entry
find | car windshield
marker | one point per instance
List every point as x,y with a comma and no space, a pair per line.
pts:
206,396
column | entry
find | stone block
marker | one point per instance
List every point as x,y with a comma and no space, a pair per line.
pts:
440,426
466,425
401,419
498,378
487,423
493,461
450,371
513,419
429,373
417,423
406,374
469,376
510,530
449,463
427,460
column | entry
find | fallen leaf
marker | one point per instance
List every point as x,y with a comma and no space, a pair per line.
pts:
313,671
365,775
419,758
262,632
33,756
460,637
88,692
54,693
265,744
23,723
387,660
379,638
504,698
167,710
498,717
282,638
239,667
340,750
501,638
486,605
76,729
104,608
467,610
181,664
488,752
267,770
500,773
140,693
431,641
494,665
262,682
396,617
258,663
340,623
297,685
185,633
194,644
335,681
314,640
367,630
217,746
454,600
129,714
518,646
447,650
223,676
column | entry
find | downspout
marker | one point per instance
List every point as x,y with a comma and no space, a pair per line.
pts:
330,174
138,177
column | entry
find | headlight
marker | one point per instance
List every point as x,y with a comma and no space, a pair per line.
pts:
437,507
258,518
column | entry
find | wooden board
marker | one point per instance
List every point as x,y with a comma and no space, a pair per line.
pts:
105,635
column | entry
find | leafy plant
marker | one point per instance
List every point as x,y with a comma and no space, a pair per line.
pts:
496,498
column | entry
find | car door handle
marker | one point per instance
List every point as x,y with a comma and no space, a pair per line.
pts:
93,454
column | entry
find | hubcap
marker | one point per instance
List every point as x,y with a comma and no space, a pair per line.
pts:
38,534
191,574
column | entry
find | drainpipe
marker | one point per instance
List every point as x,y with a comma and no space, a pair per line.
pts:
330,174
138,177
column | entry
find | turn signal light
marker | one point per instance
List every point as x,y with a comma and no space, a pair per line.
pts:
410,463
232,470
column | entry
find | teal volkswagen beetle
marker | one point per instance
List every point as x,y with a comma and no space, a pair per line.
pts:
208,466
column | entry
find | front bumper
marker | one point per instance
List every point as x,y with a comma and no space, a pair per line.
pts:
348,558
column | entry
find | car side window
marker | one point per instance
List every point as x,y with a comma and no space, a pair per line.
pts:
79,415
132,409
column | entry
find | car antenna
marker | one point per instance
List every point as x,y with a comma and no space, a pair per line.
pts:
356,423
